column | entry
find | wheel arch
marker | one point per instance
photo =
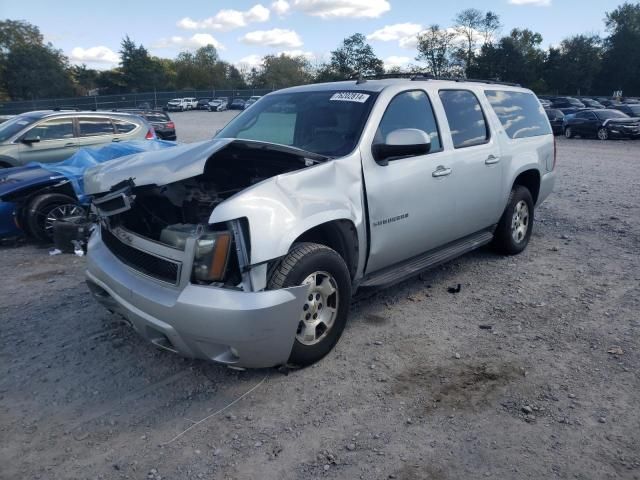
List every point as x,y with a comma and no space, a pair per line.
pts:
339,235
531,180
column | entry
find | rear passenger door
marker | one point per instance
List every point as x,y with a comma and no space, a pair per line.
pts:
476,166
94,131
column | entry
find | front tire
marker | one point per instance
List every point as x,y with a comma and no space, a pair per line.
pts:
44,210
326,308
603,134
516,224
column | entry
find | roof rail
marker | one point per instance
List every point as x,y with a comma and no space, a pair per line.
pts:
418,76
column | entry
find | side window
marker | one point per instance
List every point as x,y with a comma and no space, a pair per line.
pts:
54,129
520,113
410,110
466,120
124,127
90,127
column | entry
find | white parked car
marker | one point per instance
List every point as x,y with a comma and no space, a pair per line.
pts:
191,102
178,104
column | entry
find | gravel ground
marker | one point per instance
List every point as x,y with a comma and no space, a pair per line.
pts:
530,372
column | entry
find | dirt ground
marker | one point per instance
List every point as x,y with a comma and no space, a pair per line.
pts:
530,372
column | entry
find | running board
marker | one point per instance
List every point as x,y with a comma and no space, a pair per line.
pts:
433,258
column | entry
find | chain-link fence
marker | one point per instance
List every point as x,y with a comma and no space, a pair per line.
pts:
127,100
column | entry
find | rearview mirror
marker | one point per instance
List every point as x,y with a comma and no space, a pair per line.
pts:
401,143
30,138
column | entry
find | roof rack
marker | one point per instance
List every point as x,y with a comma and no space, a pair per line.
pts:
420,76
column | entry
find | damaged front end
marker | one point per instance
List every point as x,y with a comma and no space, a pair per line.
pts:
184,283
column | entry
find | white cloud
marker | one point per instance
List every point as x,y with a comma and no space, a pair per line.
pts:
276,37
343,8
98,54
227,19
535,3
397,61
281,7
396,31
250,61
195,41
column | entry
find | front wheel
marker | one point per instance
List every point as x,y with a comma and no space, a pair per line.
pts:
324,314
603,134
516,224
44,210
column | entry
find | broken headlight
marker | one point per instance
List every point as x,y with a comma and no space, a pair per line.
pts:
211,256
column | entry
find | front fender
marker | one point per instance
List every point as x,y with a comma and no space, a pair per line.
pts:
282,208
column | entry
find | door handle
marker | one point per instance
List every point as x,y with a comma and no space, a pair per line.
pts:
492,159
441,171
69,144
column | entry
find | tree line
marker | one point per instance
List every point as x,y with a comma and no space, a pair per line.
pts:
470,47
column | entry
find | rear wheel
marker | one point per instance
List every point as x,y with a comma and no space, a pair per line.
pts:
516,224
44,210
568,132
603,134
324,314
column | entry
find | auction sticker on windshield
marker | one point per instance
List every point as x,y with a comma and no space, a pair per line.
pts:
349,97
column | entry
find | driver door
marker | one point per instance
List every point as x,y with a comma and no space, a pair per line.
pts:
411,201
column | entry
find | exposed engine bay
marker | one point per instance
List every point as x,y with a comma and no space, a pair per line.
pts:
191,201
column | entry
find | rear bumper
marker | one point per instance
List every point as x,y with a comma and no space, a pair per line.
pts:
232,327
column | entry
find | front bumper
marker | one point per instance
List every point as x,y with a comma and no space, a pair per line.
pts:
232,327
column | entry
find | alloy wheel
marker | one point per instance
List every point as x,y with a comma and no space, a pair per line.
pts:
320,309
520,221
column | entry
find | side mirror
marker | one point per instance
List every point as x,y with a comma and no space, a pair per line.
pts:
401,143
30,138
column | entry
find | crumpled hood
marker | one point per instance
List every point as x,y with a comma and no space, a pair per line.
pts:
153,168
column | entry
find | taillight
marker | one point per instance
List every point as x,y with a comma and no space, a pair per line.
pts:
151,134
171,125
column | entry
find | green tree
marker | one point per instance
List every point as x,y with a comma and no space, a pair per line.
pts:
467,24
574,67
436,48
353,57
28,67
280,71
140,71
621,56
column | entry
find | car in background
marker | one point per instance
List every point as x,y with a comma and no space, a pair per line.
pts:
566,102
610,103
237,104
203,104
48,136
218,104
191,102
253,99
162,124
556,119
603,124
4,118
631,109
591,103
544,102
177,105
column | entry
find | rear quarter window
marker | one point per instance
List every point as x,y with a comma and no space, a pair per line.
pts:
520,113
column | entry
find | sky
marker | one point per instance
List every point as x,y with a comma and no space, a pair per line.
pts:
243,31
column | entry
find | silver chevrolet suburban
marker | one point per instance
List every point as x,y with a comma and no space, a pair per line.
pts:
246,249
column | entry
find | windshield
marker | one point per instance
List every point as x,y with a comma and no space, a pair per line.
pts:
324,122
635,110
607,114
12,126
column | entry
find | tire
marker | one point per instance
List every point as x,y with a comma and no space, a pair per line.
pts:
326,271
603,134
514,230
44,207
568,133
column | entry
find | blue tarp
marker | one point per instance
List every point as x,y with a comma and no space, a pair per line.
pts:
73,168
